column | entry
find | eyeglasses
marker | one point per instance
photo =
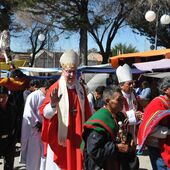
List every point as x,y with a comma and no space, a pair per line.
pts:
70,71
129,83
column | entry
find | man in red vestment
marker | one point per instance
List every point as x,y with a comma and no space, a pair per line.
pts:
65,109
154,131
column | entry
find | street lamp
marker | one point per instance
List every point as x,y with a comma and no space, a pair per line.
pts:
41,37
150,16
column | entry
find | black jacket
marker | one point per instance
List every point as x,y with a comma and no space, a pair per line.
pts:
99,152
8,128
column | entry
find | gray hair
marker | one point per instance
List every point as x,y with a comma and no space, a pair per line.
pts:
109,91
164,84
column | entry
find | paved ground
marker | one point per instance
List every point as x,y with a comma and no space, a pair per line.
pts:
143,159
144,162
17,165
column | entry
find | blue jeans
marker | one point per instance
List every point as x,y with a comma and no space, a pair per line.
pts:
156,159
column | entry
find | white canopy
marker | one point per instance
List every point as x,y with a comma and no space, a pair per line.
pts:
153,65
40,70
157,74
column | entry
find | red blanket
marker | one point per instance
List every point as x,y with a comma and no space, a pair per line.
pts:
157,112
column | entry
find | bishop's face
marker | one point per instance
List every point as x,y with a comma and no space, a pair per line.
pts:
70,75
127,87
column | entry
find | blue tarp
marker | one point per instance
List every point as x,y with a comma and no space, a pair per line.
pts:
105,70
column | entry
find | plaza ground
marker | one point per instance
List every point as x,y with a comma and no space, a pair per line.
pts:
143,159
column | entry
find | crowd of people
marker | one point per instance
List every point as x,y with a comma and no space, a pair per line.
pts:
66,127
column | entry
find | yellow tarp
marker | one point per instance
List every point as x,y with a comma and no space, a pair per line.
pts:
17,63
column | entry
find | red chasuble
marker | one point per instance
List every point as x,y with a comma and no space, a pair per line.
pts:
157,112
69,157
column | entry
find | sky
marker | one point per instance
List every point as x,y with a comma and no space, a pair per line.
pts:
124,36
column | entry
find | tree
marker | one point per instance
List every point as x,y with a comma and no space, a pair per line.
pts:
5,13
149,29
106,24
102,19
123,48
36,44
55,10
21,20
92,50
34,26
68,16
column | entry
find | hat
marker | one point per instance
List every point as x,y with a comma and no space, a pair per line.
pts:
124,73
3,90
69,59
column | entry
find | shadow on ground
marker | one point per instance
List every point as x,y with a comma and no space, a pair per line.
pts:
145,153
22,167
18,149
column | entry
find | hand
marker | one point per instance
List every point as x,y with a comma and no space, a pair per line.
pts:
126,121
38,126
54,99
122,147
139,115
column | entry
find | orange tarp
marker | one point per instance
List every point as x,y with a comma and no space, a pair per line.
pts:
115,59
14,84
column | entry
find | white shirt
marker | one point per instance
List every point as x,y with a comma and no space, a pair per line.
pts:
31,144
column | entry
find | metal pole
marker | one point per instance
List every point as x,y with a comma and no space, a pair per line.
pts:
156,33
48,36
156,29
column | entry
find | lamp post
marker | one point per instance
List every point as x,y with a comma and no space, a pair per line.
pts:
150,16
41,38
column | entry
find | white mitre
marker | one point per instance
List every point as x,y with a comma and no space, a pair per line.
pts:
69,59
124,73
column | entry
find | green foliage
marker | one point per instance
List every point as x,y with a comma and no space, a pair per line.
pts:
101,19
5,13
92,50
138,23
123,49
8,10
23,4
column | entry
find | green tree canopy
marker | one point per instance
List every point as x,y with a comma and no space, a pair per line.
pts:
140,26
101,19
123,49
